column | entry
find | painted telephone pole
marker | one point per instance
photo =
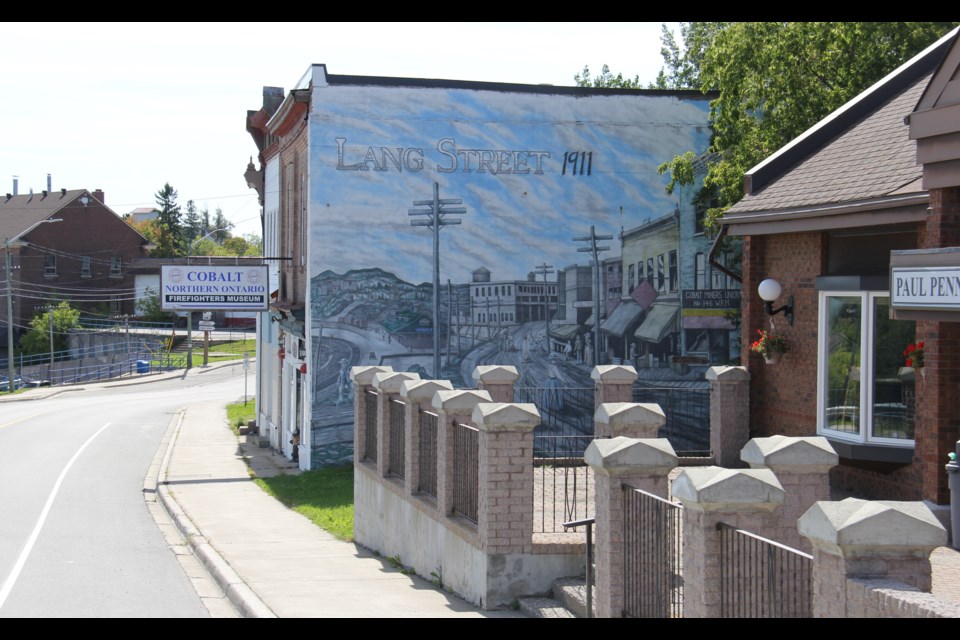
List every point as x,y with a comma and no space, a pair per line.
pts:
436,213
543,270
595,250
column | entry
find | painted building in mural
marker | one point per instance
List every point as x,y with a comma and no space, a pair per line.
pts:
519,174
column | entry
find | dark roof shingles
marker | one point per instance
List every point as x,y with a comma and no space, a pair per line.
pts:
872,159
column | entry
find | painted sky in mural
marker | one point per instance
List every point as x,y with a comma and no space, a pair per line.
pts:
533,170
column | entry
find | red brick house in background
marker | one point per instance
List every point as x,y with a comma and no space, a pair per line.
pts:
82,258
830,216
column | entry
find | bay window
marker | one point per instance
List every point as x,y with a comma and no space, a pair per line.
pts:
865,394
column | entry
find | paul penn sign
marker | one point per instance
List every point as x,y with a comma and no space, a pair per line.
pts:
195,287
925,288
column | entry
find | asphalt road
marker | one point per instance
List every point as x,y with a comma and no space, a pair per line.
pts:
77,537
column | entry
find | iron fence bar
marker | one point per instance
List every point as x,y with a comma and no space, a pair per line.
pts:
370,428
397,437
762,578
427,480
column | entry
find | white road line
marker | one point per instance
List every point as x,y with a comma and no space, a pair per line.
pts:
25,553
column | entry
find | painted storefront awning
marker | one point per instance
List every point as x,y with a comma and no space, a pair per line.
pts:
706,322
563,331
622,318
660,321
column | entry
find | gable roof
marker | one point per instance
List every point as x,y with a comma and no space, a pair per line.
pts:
857,167
21,213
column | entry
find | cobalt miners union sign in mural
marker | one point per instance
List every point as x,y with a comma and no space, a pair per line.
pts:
525,173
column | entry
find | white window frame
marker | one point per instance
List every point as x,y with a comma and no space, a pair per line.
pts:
86,270
867,333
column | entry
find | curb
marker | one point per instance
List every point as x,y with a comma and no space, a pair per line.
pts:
243,598
182,374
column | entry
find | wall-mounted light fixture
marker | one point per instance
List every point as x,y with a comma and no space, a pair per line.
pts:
769,291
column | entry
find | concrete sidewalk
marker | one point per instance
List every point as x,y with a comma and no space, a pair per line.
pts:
269,560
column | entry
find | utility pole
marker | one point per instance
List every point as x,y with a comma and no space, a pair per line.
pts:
543,270
9,272
436,213
595,250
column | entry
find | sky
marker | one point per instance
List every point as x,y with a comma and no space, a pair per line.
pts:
129,107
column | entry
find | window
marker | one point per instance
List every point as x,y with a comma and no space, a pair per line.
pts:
674,275
639,272
864,394
630,275
701,275
650,271
85,267
719,277
116,267
661,277
50,266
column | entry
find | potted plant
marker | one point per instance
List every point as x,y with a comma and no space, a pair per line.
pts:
914,356
770,345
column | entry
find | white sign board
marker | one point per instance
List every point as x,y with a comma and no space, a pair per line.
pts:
925,288
199,287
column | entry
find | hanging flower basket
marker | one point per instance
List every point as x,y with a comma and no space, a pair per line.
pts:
770,345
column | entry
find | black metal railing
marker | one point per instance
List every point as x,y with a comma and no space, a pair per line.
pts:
562,482
761,578
652,556
427,479
466,471
687,410
370,428
566,411
588,559
396,458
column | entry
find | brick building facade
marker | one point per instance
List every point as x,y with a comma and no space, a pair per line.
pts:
828,217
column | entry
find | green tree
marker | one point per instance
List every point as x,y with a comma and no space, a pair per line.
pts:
775,80
192,223
170,237
150,308
222,226
37,337
606,79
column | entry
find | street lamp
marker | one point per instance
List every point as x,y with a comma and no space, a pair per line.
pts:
206,235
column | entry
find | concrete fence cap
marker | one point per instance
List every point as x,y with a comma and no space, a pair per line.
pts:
390,381
459,400
495,374
364,375
720,489
423,389
614,374
854,523
616,456
811,453
727,374
505,416
618,414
